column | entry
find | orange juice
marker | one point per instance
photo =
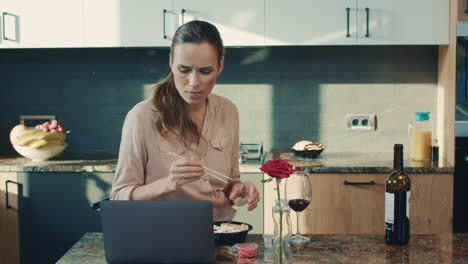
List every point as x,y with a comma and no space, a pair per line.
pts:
421,145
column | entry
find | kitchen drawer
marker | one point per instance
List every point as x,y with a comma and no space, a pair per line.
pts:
337,208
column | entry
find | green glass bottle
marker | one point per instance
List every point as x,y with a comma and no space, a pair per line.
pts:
397,196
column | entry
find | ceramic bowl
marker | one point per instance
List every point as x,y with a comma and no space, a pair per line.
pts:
228,239
308,153
39,154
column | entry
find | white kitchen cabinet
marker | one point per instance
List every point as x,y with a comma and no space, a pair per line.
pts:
310,22
240,23
403,22
254,217
41,24
127,23
362,22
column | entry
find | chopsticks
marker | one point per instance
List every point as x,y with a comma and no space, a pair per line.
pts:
209,171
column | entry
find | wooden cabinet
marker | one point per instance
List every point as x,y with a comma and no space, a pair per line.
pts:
240,23
431,210
126,23
41,24
363,22
254,217
9,229
462,10
338,208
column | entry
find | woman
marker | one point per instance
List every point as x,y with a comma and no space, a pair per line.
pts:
185,119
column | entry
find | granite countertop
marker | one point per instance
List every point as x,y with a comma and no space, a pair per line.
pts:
66,162
327,162
450,248
98,161
359,162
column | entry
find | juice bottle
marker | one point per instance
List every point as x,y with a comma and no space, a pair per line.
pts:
420,136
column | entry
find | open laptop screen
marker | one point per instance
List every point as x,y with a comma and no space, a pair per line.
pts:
158,231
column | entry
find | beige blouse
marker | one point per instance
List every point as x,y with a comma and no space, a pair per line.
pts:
142,157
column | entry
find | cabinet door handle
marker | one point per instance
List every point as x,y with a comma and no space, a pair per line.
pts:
367,22
164,23
6,193
359,183
347,22
97,205
183,13
3,25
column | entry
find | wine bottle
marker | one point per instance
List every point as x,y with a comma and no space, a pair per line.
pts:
397,197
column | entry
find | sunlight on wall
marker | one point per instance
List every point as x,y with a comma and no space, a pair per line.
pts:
98,186
256,57
254,102
394,105
147,90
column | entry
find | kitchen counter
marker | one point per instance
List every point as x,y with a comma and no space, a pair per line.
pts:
327,162
66,162
450,248
358,162
81,162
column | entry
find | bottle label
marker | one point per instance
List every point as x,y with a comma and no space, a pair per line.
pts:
389,208
403,199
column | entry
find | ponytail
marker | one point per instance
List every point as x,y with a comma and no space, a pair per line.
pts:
173,115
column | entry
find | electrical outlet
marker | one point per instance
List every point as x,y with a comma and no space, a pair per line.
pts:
361,122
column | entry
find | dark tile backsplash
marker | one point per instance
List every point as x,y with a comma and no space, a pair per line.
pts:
284,94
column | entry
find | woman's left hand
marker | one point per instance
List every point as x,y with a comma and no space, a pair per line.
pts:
245,189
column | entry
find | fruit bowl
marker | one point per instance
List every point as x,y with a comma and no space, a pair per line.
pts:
39,154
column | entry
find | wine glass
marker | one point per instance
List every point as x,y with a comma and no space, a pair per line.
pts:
298,192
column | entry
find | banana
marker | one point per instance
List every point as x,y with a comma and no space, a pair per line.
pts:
37,138
54,142
28,141
39,143
46,143
29,133
53,136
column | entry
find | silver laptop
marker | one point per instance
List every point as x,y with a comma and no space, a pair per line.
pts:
158,231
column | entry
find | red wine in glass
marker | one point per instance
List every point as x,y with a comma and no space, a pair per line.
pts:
298,192
299,205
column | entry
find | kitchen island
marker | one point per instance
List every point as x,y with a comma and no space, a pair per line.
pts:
450,248
53,194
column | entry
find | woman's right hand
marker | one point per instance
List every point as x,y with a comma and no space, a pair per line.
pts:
183,171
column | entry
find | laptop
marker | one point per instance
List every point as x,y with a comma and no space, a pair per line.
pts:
158,231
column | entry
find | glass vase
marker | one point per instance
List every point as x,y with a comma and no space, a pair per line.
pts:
282,234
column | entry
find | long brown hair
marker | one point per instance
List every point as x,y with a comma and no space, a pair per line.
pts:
172,110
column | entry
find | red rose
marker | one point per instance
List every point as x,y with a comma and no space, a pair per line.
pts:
278,168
